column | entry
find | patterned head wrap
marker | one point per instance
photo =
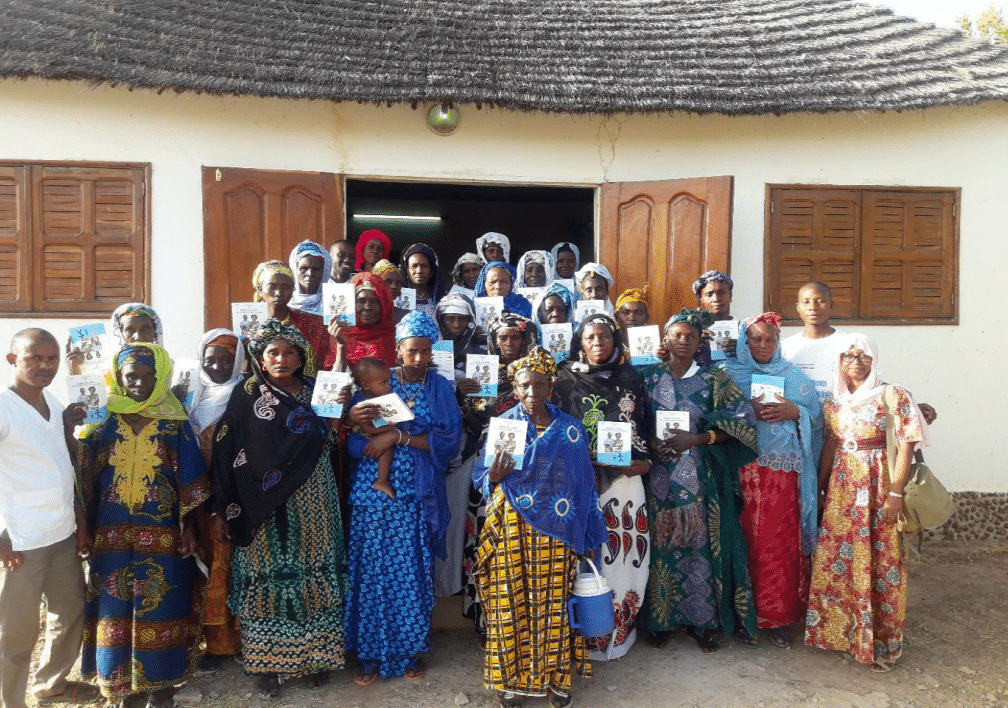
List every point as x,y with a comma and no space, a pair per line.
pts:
417,324
593,269
509,320
435,268
131,309
538,361
513,302
272,330
227,341
771,318
263,272
544,257
134,354
561,292
384,266
711,275
567,246
633,295
367,237
301,300
161,404
699,319
494,237
464,259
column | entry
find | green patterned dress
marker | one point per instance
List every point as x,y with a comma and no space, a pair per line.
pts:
699,575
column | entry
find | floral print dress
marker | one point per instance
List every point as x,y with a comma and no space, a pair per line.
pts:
857,600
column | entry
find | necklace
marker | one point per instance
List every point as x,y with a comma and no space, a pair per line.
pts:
411,399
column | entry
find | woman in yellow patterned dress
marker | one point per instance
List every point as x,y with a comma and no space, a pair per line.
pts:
857,601
141,476
539,518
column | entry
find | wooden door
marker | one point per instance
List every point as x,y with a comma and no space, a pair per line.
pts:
251,216
666,234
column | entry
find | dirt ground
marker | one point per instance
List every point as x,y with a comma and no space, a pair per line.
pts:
956,655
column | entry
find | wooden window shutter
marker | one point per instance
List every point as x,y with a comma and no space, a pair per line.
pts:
90,237
814,235
15,239
908,255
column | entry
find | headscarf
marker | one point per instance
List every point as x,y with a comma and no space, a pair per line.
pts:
367,237
272,330
494,237
161,404
633,295
698,319
601,271
544,257
267,444
513,302
417,324
783,445
538,360
263,272
457,304
435,272
872,386
567,246
569,299
210,399
377,340
301,300
577,361
509,320
709,276
130,309
384,266
463,259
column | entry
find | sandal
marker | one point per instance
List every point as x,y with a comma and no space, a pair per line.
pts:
315,680
780,638
882,667
268,686
705,639
744,638
558,701
367,675
75,692
416,669
511,700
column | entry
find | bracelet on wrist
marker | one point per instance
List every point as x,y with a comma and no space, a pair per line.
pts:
897,495
713,437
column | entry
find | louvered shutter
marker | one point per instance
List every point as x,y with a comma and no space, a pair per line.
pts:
15,232
814,235
908,255
90,236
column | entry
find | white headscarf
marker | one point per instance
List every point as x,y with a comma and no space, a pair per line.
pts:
210,399
600,270
494,237
543,257
301,300
871,386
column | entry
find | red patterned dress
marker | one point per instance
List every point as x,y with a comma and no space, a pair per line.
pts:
857,600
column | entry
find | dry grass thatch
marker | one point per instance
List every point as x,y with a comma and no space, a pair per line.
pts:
570,56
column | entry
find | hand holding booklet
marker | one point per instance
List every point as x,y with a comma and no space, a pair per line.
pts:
339,303
94,345
507,435
770,387
484,370
90,391
393,410
613,446
184,375
328,385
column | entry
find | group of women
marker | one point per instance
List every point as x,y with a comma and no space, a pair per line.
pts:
712,527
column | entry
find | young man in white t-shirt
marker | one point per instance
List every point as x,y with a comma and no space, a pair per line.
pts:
43,534
816,348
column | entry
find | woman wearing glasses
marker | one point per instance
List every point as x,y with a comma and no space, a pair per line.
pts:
857,600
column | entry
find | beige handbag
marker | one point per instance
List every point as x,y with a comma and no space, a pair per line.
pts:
926,503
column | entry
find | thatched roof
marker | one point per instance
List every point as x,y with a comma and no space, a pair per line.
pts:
573,56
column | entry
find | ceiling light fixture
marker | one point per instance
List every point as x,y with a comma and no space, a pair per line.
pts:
396,217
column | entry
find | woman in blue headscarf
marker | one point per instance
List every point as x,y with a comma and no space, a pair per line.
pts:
392,542
497,279
311,265
779,487
554,305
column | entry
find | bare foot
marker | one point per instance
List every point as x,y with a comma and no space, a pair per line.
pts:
384,487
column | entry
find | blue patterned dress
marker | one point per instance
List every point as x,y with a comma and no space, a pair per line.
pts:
392,541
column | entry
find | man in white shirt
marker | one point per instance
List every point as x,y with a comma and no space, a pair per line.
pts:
816,348
42,529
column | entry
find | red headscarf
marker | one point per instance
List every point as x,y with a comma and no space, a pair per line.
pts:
377,340
366,238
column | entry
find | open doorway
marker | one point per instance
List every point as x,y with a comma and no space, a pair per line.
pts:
532,217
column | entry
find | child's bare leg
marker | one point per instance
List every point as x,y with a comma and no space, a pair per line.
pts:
384,467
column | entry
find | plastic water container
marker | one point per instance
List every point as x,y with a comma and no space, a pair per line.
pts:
590,607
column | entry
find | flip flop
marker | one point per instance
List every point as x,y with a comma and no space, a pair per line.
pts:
75,692
366,676
416,669
780,638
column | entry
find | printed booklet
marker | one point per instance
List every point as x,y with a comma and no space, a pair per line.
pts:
327,387
644,343
487,310
95,345
90,390
613,444
768,386
667,421
556,339
722,331
393,410
406,299
339,303
246,317
586,308
443,356
483,368
508,435
184,374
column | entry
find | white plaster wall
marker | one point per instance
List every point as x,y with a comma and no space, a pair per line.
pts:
955,147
